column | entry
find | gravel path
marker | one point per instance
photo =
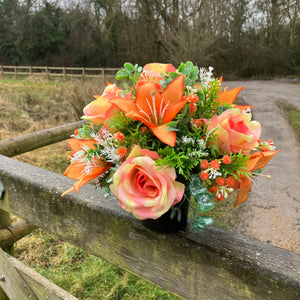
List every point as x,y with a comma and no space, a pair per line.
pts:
272,211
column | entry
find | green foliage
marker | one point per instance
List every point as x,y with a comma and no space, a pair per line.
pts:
237,167
184,158
208,105
190,72
130,75
104,33
87,130
132,131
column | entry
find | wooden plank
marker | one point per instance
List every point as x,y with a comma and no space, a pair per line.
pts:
214,264
12,282
9,67
31,141
38,67
20,282
4,223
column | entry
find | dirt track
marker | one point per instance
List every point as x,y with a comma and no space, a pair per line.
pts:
272,211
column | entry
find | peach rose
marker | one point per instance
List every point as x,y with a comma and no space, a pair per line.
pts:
152,73
235,131
155,69
101,109
144,189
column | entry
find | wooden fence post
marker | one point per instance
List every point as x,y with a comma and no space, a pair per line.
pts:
47,72
30,70
2,73
4,223
16,72
64,72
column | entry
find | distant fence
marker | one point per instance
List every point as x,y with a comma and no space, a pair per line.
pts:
57,71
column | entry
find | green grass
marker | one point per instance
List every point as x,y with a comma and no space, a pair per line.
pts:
292,114
83,275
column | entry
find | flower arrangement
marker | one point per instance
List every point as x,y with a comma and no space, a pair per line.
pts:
169,136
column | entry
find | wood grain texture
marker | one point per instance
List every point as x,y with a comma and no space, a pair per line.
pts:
214,264
12,282
22,283
4,223
35,140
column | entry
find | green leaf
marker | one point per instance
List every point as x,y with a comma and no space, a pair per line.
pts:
173,75
172,128
122,74
203,207
203,197
129,67
106,191
110,180
206,221
87,131
173,212
201,222
178,214
81,132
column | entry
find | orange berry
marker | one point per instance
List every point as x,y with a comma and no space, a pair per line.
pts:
220,181
220,197
204,164
204,176
122,151
230,181
213,189
119,136
215,164
197,122
143,129
193,108
193,98
226,159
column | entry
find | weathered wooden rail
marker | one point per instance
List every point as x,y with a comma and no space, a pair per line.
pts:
214,264
57,71
28,142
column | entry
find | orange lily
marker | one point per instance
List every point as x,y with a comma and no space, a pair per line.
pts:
156,109
228,97
76,170
99,110
257,161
